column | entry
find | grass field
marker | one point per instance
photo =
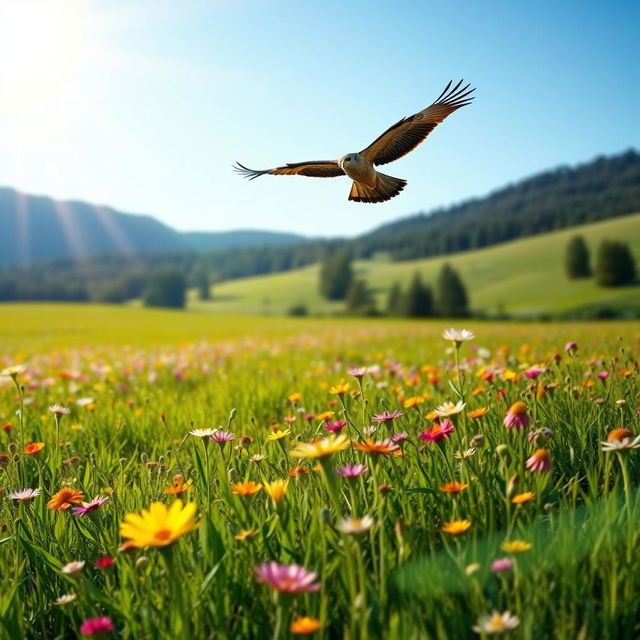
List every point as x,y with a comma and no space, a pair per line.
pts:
525,277
192,476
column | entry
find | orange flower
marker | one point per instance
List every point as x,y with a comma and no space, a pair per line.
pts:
456,527
523,498
65,498
34,448
296,472
246,488
453,487
478,413
618,435
178,488
304,625
383,447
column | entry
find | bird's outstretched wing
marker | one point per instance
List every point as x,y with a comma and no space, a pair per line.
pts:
408,133
313,169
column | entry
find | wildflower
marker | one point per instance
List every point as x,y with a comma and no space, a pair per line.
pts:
327,415
387,416
178,488
478,413
321,448
620,440
464,453
357,372
495,623
603,375
97,626
24,495
64,499
453,487
515,546
458,335
202,433
244,534
294,398
277,489
335,426
66,599
540,461
6,427
104,562
355,525
287,578
470,569
456,527
222,437
534,372
88,507
59,410
73,567
377,447
413,402
34,448
297,471
449,409
159,525
438,432
13,371
352,470
278,434
517,416
571,347
501,564
523,498
248,488
401,436
257,457
304,625
340,389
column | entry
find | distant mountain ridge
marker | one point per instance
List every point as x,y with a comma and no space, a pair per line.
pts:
35,228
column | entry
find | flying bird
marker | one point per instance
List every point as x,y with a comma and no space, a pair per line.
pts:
370,185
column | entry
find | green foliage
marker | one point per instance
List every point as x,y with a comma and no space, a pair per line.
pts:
417,301
577,259
201,280
298,310
615,265
165,288
394,300
452,297
336,275
359,299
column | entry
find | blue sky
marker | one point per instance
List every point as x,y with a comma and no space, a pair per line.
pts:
144,105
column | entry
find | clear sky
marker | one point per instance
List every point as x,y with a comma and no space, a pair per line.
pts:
144,105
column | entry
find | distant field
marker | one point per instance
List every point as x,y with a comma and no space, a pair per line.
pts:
524,277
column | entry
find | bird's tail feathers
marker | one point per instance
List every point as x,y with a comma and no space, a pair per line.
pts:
386,187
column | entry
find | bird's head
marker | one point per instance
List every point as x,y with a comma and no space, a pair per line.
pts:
350,159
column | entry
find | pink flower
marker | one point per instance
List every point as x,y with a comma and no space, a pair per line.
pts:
534,372
336,426
387,416
439,431
399,437
501,564
603,375
571,346
309,416
540,461
287,578
357,372
88,507
24,495
352,470
59,409
104,562
97,626
517,416
222,437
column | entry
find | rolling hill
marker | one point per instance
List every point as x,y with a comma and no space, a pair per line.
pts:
523,278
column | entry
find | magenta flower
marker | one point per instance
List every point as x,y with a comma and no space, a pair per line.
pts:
387,416
104,562
336,426
540,461
501,564
222,437
571,346
517,416
603,375
287,578
309,416
534,372
357,372
88,507
352,470
97,626
439,431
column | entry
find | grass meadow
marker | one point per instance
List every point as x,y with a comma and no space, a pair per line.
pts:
203,476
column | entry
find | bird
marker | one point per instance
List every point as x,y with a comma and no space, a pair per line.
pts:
397,141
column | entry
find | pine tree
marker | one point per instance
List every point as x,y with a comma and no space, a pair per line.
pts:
577,259
359,298
418,299
336,275
451,293
202,282
165,288
394,300
615,264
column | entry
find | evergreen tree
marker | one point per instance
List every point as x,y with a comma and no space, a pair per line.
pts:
577,259
202,282
165,288
359,298
418,300
452,294
615,265
336,275
394,300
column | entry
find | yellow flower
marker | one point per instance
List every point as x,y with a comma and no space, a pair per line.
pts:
327,415
456,527
478,413
248,488
294,397
515,546
276,489
304,625
322,448
340,389
278,434
243,535
523,498
413,402
159,525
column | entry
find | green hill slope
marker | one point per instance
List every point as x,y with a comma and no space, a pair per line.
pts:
524,278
